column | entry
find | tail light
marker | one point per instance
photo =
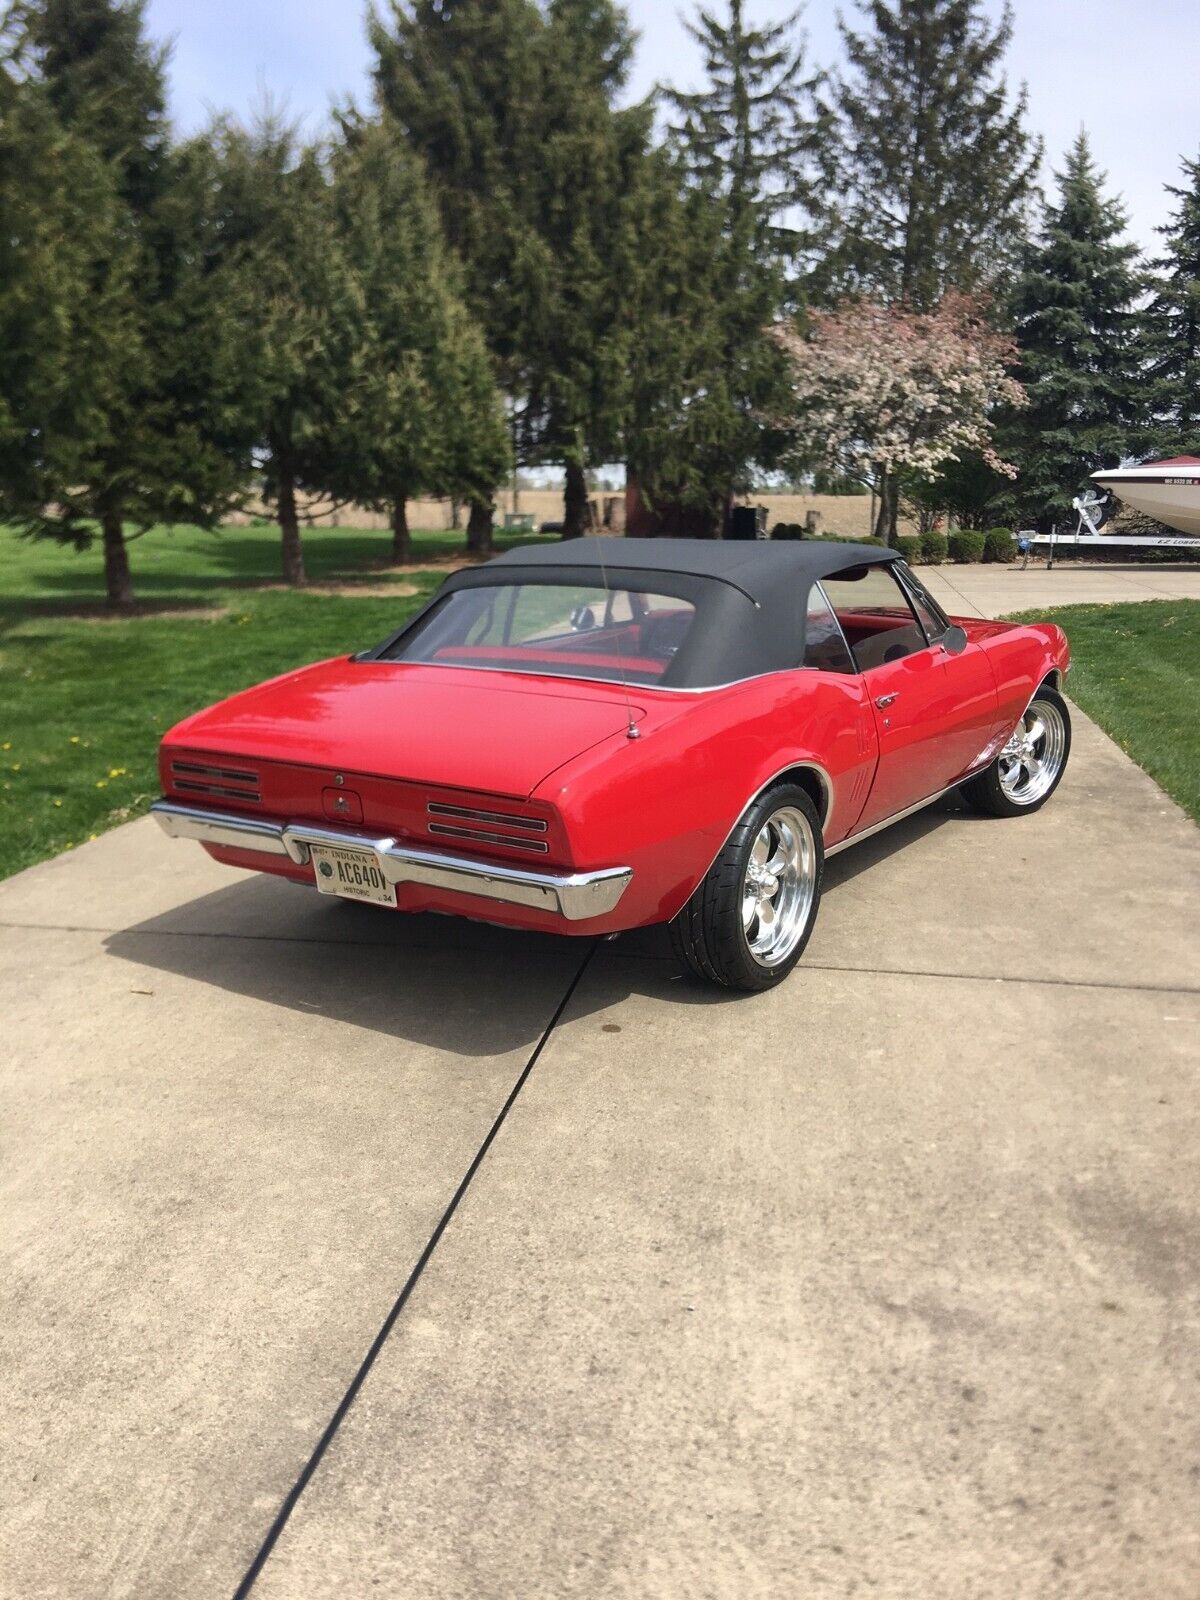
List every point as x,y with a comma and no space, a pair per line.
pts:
216,783
487,827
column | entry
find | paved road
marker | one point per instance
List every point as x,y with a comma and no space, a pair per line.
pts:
997,591
887,1282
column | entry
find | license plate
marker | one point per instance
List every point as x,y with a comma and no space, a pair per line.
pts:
352,874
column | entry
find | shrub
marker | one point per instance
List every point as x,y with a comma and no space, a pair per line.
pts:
934,548
965,546
909,547
999,545
788,530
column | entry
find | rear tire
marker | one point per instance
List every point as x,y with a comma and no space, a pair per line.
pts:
747,924
1030,767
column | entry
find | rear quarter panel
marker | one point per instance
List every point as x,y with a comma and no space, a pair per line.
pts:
664,803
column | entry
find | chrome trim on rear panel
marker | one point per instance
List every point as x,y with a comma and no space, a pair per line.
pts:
574,896
216,827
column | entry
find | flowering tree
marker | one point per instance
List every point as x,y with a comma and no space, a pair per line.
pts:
883,392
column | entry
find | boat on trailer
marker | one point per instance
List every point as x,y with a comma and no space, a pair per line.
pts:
1168,491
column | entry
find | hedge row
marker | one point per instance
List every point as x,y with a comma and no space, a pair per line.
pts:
930,549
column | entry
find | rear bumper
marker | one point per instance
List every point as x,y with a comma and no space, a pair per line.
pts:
576,896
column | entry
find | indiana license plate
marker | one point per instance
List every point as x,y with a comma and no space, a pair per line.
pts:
352,874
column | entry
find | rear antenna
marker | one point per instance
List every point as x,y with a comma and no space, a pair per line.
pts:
632,731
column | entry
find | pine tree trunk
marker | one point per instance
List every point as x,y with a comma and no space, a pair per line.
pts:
479,528
289,527
401,540
118,582
576,512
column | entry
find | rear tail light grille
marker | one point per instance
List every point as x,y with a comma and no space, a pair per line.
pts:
487,827
221,783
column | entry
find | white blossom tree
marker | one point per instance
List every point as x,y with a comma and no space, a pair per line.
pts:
884,392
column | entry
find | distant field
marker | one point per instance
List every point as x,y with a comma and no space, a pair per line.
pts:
1136,671
847,516
85,697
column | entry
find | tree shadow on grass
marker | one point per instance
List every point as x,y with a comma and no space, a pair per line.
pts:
344,559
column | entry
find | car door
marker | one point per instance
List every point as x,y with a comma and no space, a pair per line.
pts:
973,718
932,720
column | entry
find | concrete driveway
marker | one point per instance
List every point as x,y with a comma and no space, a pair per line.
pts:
998,591
519,1267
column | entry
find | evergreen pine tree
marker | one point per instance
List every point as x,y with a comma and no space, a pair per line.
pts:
106,79
756,133
1074,309
112,403
730,201
68,341
702,375
429,419
935,165
291,286
511,108
1173,321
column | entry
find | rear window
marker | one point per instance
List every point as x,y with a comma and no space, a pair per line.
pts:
569,630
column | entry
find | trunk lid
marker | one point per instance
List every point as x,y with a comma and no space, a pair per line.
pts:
450,728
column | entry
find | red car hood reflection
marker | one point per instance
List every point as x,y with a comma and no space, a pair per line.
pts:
485,731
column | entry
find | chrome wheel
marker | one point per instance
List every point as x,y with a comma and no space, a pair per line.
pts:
780,886
1029,765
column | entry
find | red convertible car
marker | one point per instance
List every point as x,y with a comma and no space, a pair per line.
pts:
612,733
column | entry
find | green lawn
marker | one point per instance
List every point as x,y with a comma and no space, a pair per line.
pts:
1137,673
84,697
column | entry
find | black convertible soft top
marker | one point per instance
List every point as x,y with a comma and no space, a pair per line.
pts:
756,566
751,597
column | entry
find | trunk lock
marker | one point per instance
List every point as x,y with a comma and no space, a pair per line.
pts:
342,805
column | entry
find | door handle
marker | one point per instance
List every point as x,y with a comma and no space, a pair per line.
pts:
885,700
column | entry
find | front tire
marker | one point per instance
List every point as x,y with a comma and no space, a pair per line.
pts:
747,924
1030,767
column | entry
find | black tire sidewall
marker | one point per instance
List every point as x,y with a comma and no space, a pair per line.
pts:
986,792
740,968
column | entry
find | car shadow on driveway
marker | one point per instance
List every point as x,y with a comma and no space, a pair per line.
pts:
455,985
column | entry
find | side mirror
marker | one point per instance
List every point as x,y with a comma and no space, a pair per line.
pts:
583,619
954,640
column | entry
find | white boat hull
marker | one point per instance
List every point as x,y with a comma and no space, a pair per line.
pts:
1170,495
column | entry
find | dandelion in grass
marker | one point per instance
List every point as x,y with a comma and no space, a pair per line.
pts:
74,738
56,803
102,783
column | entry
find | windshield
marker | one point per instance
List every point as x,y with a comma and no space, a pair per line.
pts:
574,630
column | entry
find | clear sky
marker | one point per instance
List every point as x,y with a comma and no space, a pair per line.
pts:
1126,71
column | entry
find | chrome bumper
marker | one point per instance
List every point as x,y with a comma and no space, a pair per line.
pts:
575,896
